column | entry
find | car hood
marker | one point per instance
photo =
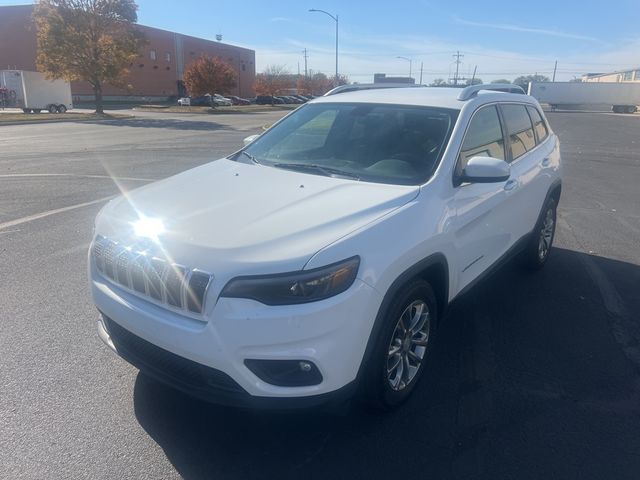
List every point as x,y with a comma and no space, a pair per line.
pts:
249,218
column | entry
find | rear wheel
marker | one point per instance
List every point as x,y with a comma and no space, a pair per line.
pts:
26,110
52,109
37,110
537,251
401,351
62,109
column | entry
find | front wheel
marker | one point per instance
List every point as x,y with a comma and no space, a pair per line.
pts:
537,251
402,348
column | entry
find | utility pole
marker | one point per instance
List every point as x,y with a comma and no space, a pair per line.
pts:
306,72
473,77
555,67
421,66
457,56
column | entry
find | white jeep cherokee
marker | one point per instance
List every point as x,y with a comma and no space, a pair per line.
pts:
318,260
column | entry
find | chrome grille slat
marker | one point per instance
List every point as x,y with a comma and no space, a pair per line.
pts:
175,286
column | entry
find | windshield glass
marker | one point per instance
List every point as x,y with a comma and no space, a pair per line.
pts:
370,142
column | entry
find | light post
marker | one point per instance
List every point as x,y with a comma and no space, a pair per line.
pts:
410,64
335,19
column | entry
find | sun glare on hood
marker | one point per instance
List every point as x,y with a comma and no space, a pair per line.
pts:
147,227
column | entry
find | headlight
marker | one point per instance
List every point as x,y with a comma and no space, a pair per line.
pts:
296,287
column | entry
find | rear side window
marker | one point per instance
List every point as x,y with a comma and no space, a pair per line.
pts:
538,124
520,130
483,138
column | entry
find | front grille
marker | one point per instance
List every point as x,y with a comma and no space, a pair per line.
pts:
175,286
166,365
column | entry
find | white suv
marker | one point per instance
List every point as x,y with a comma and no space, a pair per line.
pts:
317,261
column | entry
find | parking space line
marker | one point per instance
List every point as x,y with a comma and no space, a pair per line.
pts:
48,213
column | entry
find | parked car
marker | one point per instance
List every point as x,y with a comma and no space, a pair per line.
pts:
305,267
268,100
239,101
184,101
202,101
220,101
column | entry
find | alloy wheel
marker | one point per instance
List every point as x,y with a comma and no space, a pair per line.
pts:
408,345
546,235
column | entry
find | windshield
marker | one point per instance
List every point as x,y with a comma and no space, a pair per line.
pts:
370,142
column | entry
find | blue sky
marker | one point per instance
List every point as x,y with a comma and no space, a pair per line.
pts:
504,38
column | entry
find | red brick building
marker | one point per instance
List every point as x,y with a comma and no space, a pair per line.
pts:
156,74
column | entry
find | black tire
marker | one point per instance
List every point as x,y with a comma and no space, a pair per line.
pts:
377,387
52,109
537,251
26,110
37,110
62,109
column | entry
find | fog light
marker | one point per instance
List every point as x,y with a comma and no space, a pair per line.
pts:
305,366
285,373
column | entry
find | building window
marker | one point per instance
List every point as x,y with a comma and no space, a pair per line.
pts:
638,75
244,67
152,55
167,56
627,76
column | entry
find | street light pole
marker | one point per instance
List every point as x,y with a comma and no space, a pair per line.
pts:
335,19
410,64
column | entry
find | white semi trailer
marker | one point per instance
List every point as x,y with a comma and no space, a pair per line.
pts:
619,97
32,92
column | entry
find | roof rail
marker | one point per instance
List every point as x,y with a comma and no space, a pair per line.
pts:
367,86
472,90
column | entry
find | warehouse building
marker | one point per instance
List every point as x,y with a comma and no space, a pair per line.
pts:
156,74
623,76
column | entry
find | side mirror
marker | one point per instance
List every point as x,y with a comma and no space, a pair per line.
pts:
486,170
249,139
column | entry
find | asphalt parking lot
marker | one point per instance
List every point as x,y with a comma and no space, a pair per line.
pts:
535,375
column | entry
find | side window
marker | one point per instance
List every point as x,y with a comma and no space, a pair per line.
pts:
483,138
538,124
520,130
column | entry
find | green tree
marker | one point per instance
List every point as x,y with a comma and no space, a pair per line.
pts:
524,80
90,40
500,80
209,75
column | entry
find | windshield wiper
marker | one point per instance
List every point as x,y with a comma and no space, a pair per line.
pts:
251,157
326,171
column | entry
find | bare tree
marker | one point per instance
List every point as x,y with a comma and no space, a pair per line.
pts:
272,80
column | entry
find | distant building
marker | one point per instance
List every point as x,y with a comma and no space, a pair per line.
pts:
382,78
156,74
632,75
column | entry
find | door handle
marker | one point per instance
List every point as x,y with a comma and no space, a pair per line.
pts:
546,162
510,185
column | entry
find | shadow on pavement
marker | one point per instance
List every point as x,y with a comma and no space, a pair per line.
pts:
533,377
168,123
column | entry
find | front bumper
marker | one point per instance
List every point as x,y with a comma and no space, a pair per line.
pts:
198,380
206,358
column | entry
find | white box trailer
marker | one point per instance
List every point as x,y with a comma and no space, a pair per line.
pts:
32,92
619,97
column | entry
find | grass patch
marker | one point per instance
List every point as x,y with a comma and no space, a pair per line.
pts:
217,110
55,117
